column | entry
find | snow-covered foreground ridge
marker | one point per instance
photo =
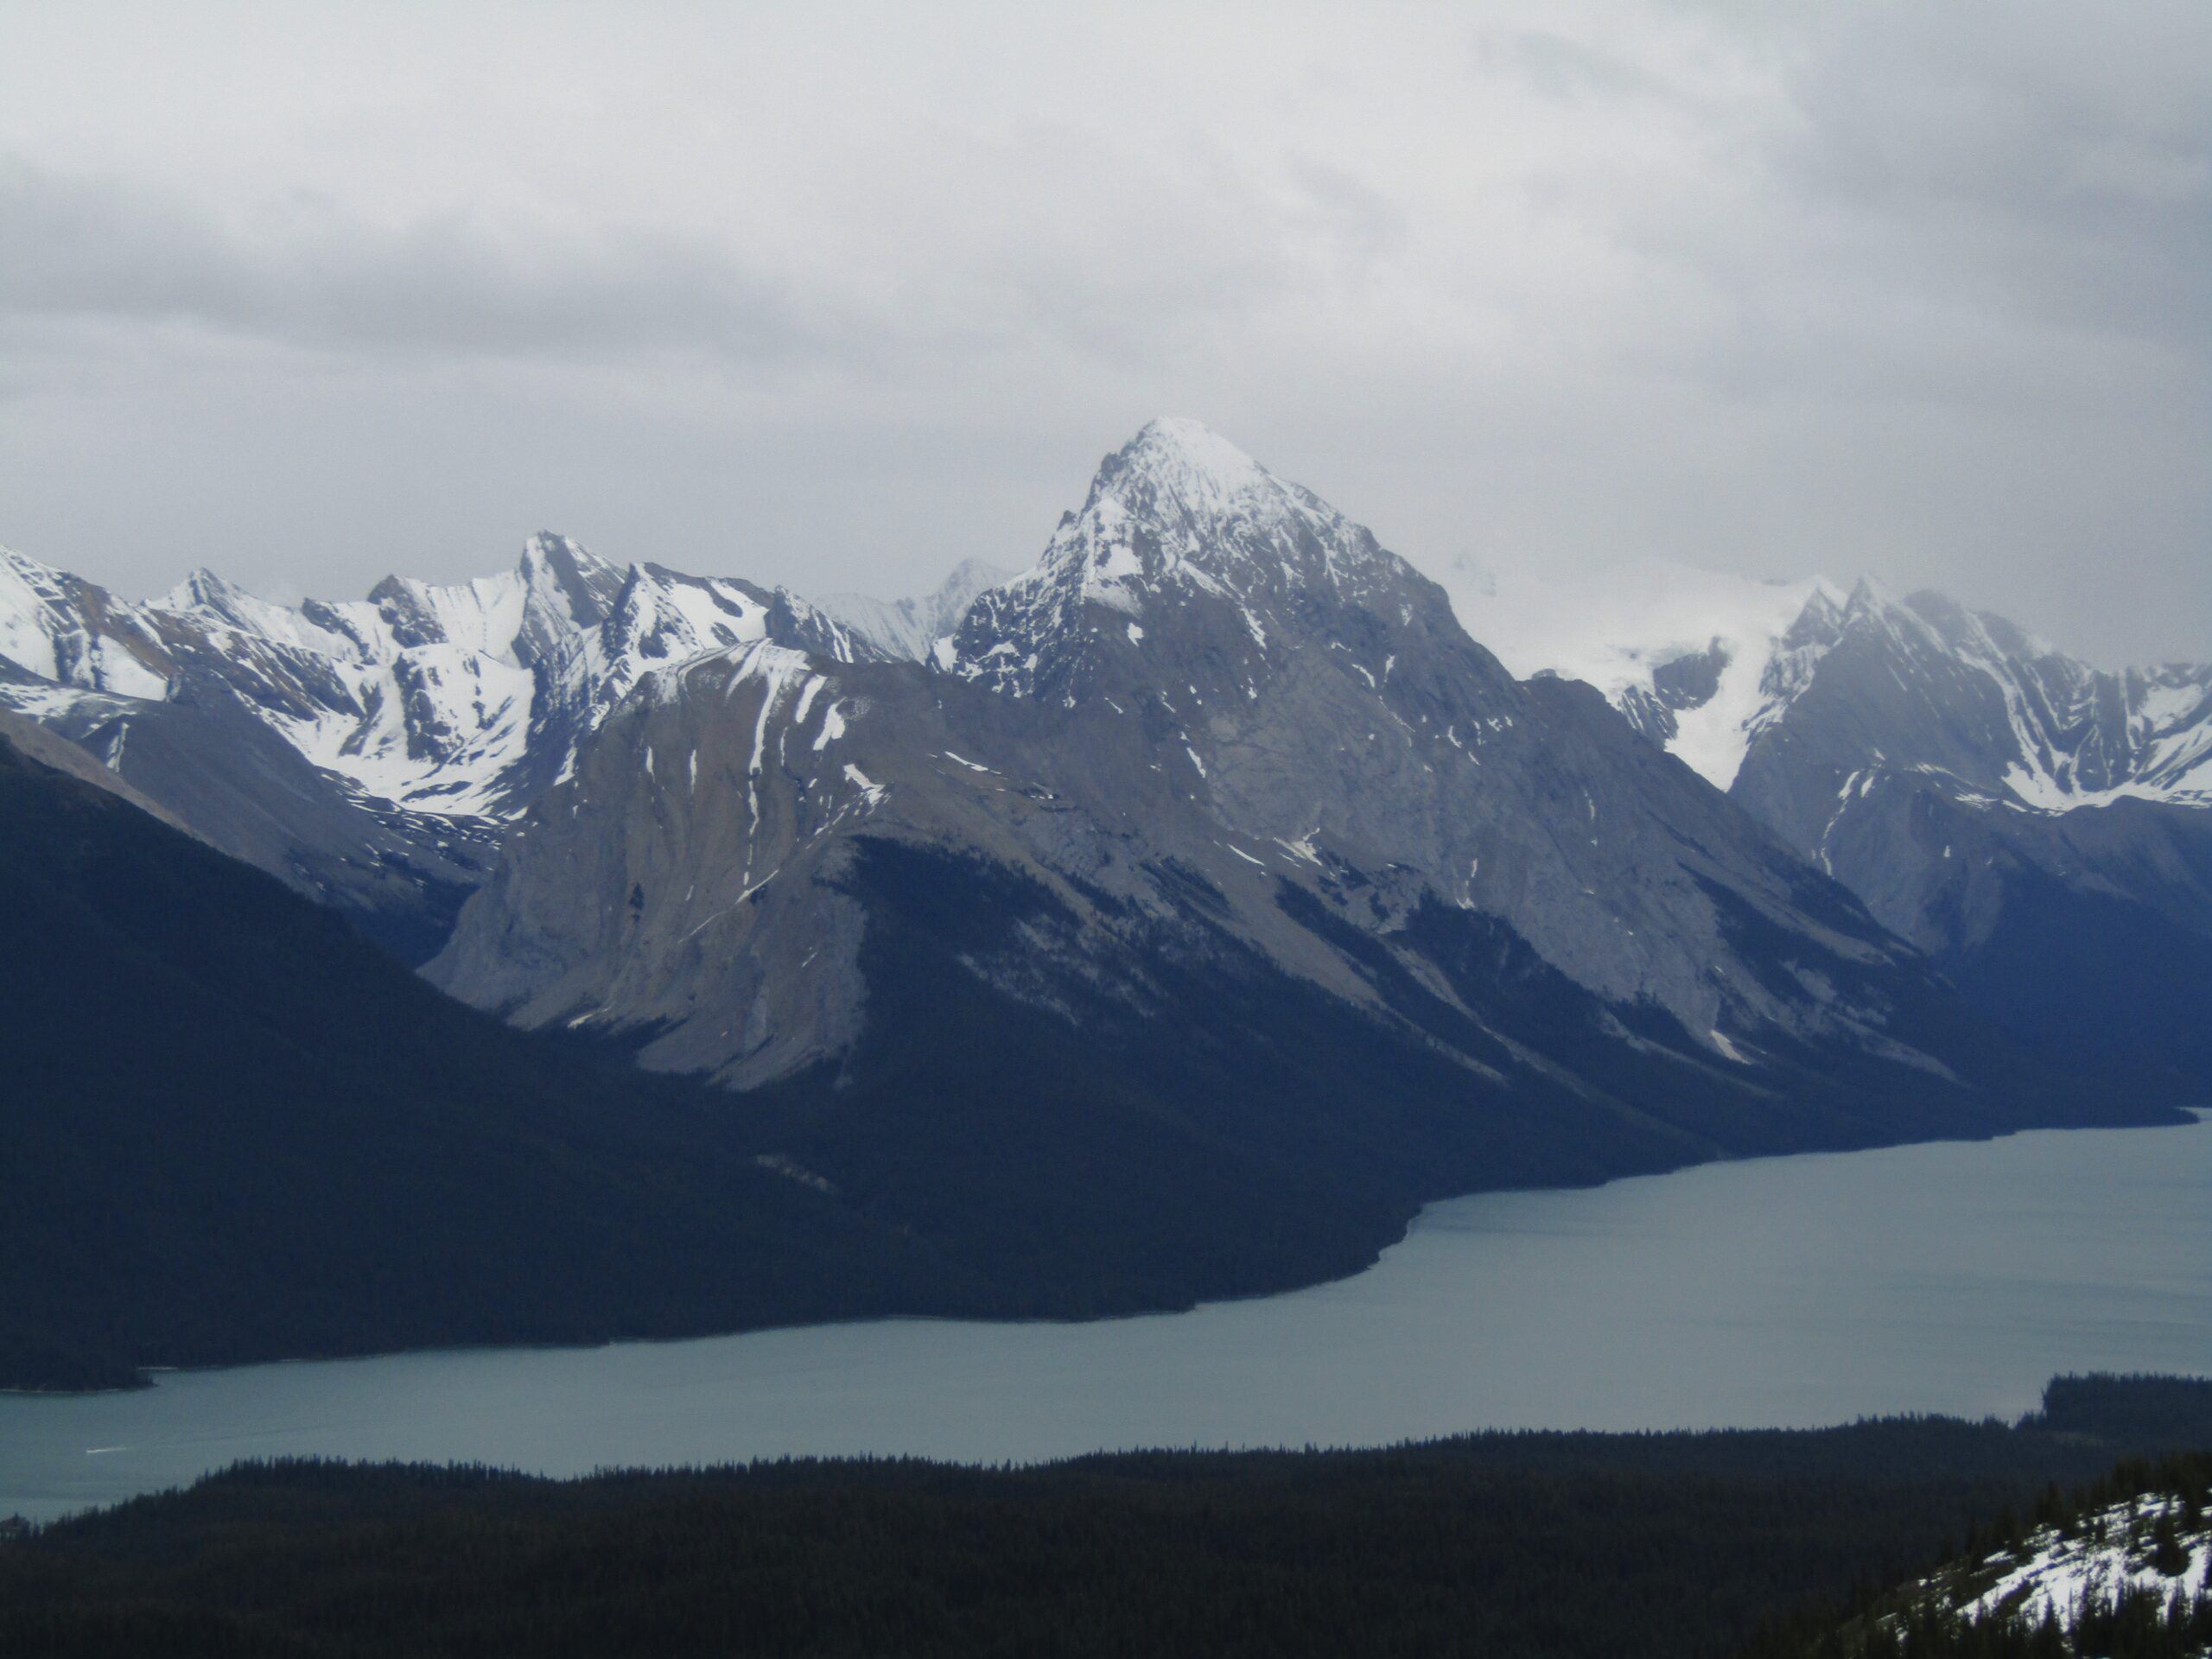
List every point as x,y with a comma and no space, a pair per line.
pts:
2153,1543
2107,1575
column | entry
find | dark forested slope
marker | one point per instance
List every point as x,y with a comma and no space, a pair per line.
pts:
230,1128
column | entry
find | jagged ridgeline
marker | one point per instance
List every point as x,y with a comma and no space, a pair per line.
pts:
1216,759
368,752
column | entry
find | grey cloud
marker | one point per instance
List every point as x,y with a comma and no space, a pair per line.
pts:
1962,208
94,251
1366,224
2007,162
1561,67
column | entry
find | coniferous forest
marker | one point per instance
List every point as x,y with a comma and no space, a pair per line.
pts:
1560,1544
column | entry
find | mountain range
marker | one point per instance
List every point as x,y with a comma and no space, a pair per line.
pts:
1175,916
369,753
2040,827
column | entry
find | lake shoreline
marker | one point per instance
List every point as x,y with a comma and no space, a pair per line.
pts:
146,1375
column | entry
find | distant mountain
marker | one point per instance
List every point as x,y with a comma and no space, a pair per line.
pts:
232,1131
1210,866
370,752
1693,658
911,627
2042,828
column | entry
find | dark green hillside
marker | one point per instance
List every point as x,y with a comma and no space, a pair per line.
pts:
230,1128
234,1131
1537,1546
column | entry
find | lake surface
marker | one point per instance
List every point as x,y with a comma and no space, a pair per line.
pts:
1778,1292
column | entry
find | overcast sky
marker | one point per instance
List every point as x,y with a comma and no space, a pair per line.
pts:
835,296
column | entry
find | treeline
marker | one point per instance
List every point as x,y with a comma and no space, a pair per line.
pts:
1534,1544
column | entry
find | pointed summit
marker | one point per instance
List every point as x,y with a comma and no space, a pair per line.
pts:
549,553
1179,475
203,590
1868,598
581,586
1180,512
1177,457
567,592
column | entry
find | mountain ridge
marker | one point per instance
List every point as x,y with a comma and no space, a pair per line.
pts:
2041,828
418,721
1210,843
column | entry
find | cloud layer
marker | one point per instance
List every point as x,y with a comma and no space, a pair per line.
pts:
839,299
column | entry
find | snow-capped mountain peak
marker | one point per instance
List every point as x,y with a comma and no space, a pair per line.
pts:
1179,499
200,590
1988,797
1714,666
61,627
556,588
1936,685
1185,460
1176,513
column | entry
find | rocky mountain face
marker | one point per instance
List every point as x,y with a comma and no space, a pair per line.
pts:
1208,858
2042,828
369,752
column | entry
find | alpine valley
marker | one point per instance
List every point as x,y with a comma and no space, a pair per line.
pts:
1169,919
